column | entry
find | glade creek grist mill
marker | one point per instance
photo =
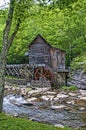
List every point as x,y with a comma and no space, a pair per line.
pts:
47,64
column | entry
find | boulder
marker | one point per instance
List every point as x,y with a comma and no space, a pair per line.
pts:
62,96
58,107
28,104
32,99
47,97
38,92
82,92
78,79
82,98
59,125
72,94
70,102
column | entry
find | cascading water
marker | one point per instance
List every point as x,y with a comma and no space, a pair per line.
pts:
16,105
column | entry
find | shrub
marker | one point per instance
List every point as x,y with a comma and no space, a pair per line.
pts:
69,88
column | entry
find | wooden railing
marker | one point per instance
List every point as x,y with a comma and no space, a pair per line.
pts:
18,70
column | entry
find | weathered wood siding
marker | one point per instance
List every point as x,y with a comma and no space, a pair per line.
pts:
57,59
53,58
39,53
60,59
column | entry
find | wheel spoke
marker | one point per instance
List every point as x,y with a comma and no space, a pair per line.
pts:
46,72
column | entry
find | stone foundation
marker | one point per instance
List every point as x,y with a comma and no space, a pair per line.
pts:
42,82
59,79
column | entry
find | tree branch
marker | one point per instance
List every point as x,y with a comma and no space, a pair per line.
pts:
9,20
10,40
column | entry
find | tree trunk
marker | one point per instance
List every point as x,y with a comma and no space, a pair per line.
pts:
2,77
7,42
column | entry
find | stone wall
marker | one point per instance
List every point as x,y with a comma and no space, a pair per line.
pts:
78,79
42,82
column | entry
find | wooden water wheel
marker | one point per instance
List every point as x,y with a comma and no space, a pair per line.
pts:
44,72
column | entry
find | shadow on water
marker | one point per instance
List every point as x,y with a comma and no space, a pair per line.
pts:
41,111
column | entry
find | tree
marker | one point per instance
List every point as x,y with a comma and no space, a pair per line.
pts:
16,14
63,28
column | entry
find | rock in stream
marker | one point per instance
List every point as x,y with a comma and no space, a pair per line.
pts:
59,108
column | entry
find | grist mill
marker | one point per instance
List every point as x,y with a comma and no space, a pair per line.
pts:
47,63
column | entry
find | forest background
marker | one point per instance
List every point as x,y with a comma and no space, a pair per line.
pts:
61,22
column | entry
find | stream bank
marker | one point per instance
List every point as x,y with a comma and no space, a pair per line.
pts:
57,107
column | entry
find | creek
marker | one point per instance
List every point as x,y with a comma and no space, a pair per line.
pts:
41,111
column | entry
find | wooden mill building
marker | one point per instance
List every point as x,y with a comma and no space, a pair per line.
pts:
48,61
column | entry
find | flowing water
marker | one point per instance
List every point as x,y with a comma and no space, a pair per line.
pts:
41,111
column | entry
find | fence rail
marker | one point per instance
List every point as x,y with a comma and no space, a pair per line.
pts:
21,70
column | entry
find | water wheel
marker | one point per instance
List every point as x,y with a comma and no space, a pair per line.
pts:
43,72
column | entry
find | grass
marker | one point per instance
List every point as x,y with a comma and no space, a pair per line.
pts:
73,88
13,123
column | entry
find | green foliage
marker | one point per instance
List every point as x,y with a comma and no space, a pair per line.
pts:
69,88
11,123
3,14
79,62
63,27
63,3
